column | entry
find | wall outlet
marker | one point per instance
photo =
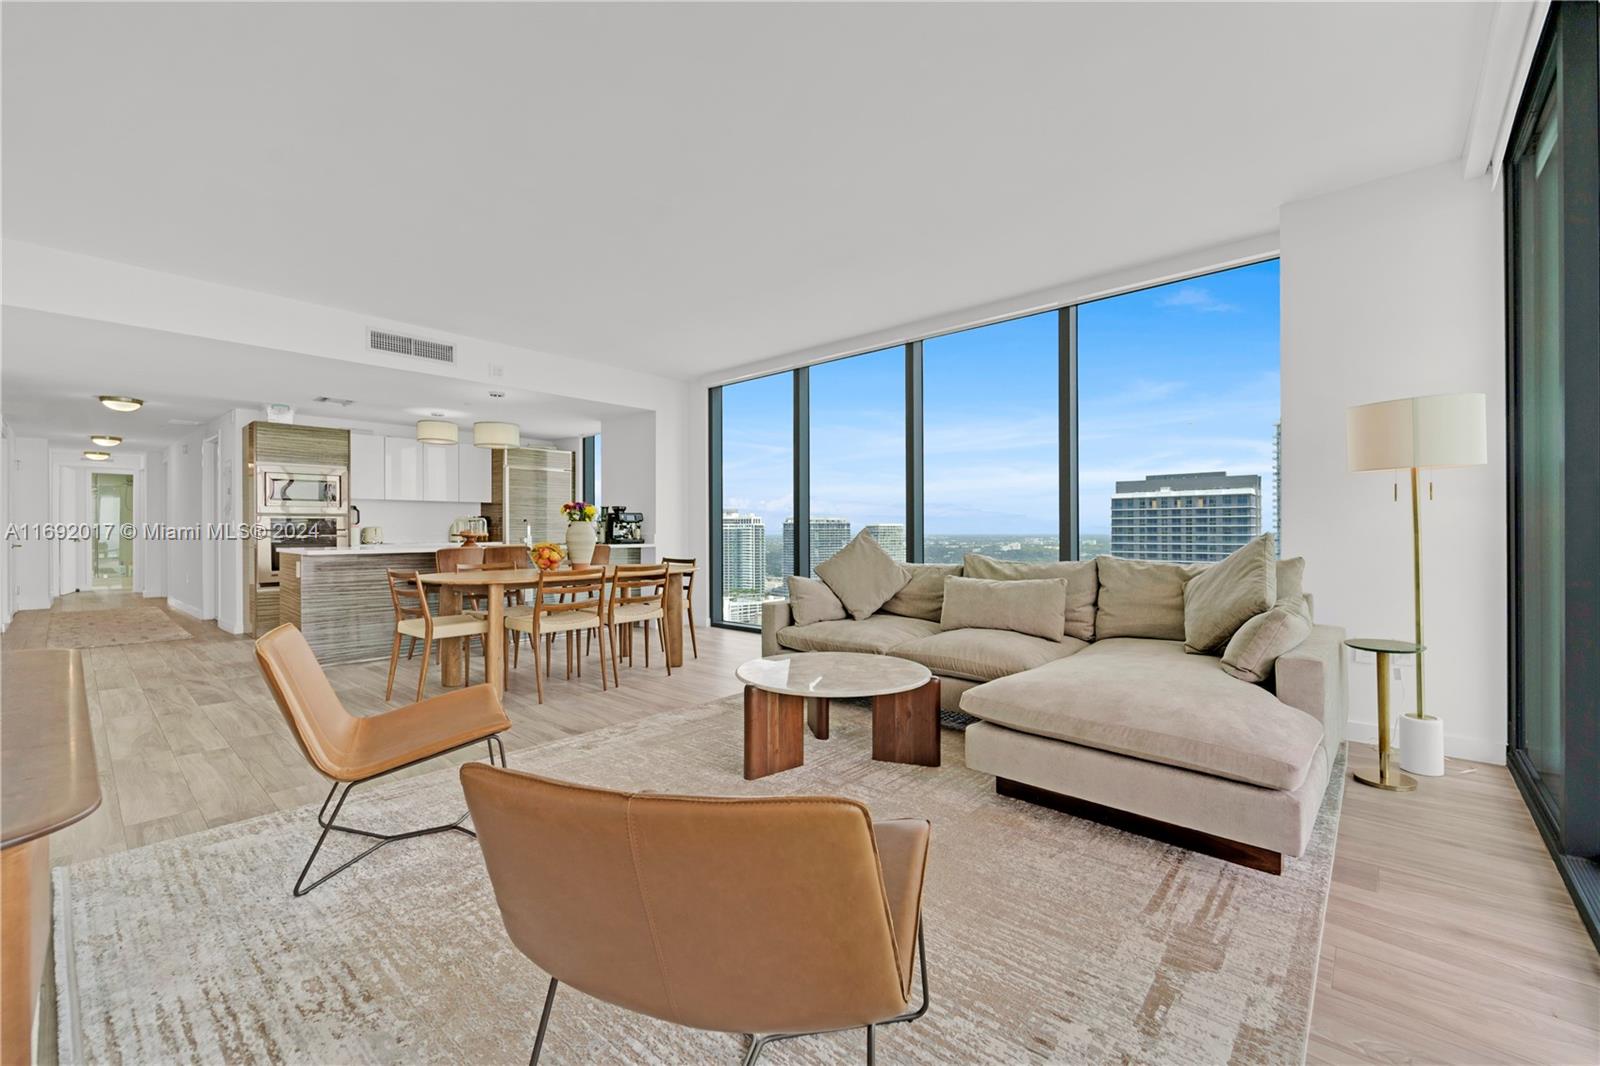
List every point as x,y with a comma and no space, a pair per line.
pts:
1364,657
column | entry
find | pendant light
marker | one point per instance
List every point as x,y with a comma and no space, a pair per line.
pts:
436,431
496,435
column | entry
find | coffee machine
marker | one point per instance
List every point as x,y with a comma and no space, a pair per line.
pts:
623,526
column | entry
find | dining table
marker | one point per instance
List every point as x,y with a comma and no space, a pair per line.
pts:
493,584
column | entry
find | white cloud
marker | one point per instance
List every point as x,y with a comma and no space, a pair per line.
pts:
1195,298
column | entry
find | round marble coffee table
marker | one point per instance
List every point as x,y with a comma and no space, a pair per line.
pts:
782,690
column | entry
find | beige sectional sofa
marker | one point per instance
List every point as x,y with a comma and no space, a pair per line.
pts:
1132,730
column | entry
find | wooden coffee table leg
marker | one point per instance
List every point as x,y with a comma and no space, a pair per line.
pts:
817,717
774,732
905,726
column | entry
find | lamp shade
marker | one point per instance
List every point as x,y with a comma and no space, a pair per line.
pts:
434,431
496,435
1422,431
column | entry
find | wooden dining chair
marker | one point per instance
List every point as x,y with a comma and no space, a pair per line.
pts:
602,555
688,595
638,596
413,618
571,602
466,557
351,749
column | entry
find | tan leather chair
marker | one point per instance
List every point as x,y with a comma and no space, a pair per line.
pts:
781,916
351,749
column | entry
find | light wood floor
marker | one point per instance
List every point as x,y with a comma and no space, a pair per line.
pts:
1449,935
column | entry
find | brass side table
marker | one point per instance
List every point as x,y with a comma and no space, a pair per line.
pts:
1386,779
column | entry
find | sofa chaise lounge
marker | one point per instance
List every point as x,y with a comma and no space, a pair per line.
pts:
1120,722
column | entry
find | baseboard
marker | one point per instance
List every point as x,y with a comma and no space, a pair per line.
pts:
1456,745
183,608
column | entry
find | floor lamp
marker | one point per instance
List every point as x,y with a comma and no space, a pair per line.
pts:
1419,433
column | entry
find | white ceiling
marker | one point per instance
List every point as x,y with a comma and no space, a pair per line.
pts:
55,366
683,188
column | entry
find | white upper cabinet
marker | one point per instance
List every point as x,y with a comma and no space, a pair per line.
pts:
366,467
441,472
402,469
477,479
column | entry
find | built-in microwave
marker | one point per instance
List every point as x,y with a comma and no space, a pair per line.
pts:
301,490
296,531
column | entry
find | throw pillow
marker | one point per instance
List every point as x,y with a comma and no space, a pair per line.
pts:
1139,598
1254,649
1226,595
1081,577
812,601
923,595
863,575
1031,607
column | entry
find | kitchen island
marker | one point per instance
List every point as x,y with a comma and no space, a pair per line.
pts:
339,597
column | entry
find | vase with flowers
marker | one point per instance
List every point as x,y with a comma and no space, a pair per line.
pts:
580,531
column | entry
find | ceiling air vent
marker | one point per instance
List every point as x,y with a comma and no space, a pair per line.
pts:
382,341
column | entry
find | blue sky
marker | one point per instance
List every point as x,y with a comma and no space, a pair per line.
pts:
1179,377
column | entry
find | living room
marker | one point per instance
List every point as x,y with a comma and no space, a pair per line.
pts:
1094,491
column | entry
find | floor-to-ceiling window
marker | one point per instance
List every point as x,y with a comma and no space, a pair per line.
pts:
1552,183
1177,417
858,454
756,475
991,441
1144,423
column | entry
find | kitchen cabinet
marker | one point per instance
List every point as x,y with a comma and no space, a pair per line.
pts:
402,468
441,472
366,467
476,478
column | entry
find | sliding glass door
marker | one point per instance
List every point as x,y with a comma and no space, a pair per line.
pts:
1552,178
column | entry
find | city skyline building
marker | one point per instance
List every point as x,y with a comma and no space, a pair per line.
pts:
828,535
1197,517
891,537
744,553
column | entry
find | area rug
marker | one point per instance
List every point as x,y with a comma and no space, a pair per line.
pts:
1049,938
118,625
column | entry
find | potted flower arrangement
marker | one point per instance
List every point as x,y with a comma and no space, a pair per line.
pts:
547,555
580,531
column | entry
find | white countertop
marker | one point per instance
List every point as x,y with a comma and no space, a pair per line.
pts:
378,549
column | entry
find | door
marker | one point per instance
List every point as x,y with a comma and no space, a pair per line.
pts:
111,549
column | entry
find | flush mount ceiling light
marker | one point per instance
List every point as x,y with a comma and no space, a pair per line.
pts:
122,403
496,434
106,440
97,457
435,431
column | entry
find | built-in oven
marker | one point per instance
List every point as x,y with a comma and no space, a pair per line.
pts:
301,490
296,531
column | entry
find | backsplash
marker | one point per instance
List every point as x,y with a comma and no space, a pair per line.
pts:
409,521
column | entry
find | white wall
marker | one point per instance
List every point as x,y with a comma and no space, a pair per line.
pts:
183,510
1395,289
153,582
30,504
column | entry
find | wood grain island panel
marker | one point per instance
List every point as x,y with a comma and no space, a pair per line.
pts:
341,601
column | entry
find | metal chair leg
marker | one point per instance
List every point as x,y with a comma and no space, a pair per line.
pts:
544,1022
330,825
758,1044
872,1045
